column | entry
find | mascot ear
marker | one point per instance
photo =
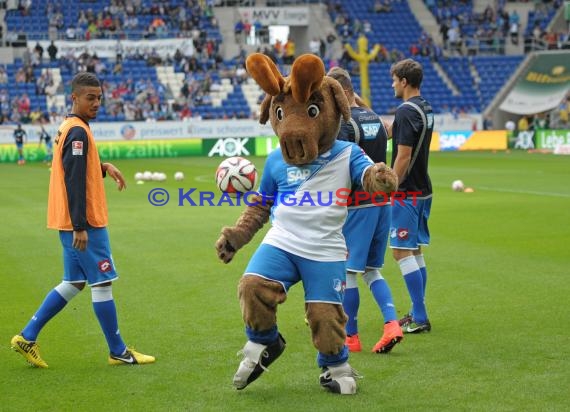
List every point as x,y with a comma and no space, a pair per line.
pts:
306,77
264,109
339,98
265,73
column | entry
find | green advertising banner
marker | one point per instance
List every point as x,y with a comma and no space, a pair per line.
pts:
229,146
116,150
542,86
549,139
265,145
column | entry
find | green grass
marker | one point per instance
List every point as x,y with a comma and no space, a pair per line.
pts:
497,297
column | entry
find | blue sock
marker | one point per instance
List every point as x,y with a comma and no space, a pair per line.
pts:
333,360
350,304
52,304
264,337
413,277
383,296
422,265
104,307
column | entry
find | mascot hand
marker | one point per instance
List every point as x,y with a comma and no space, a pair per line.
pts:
224,248
386,178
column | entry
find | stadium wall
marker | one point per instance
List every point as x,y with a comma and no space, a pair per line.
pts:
124,140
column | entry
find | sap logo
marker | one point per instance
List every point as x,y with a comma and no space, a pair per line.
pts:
229,147
297,174
453,140
370,130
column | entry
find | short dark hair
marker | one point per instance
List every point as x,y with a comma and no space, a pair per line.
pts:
84,79
410,70
342,76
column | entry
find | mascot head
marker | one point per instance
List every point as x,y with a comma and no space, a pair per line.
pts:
304,108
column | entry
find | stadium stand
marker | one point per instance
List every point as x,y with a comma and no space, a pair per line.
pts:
143,86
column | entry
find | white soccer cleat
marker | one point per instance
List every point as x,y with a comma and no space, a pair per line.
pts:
339,379
256,359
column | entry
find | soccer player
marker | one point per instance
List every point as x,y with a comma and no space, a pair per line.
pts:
20,137
77,208
411,138
366,227
45,137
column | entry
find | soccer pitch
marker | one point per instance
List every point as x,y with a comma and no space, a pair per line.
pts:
497,296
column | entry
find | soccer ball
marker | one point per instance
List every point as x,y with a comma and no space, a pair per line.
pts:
139,176
457,186
178,176
236,174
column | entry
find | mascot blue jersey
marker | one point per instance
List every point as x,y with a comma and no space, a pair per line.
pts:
310,201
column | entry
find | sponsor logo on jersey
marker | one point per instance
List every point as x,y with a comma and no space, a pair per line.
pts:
105,266
370,130
77,148
297,174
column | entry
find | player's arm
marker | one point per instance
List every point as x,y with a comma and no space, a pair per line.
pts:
388,126
402,162
111,170
74,159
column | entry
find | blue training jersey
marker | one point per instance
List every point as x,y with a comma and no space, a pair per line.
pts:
310,201
366,129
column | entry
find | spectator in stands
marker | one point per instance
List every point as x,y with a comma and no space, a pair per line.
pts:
52,51
514,22
522,124
20,76
23,105
39,50
238,31
3,75
314,46
541,121
289,55
382,6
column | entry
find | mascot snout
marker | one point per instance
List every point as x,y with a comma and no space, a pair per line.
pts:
298,148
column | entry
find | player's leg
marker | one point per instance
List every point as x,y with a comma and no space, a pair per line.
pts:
404,241
323,284
267,278
419,256
100,271
351,304
358,231
391,333
20,148
73,282
423,238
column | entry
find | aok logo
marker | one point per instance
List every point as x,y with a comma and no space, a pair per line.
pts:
297,174
230,147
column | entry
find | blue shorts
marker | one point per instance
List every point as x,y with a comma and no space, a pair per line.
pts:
94,265
19,146
366,233
322,281
409,229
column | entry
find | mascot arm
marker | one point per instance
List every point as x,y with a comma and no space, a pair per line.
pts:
380,178
248,224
